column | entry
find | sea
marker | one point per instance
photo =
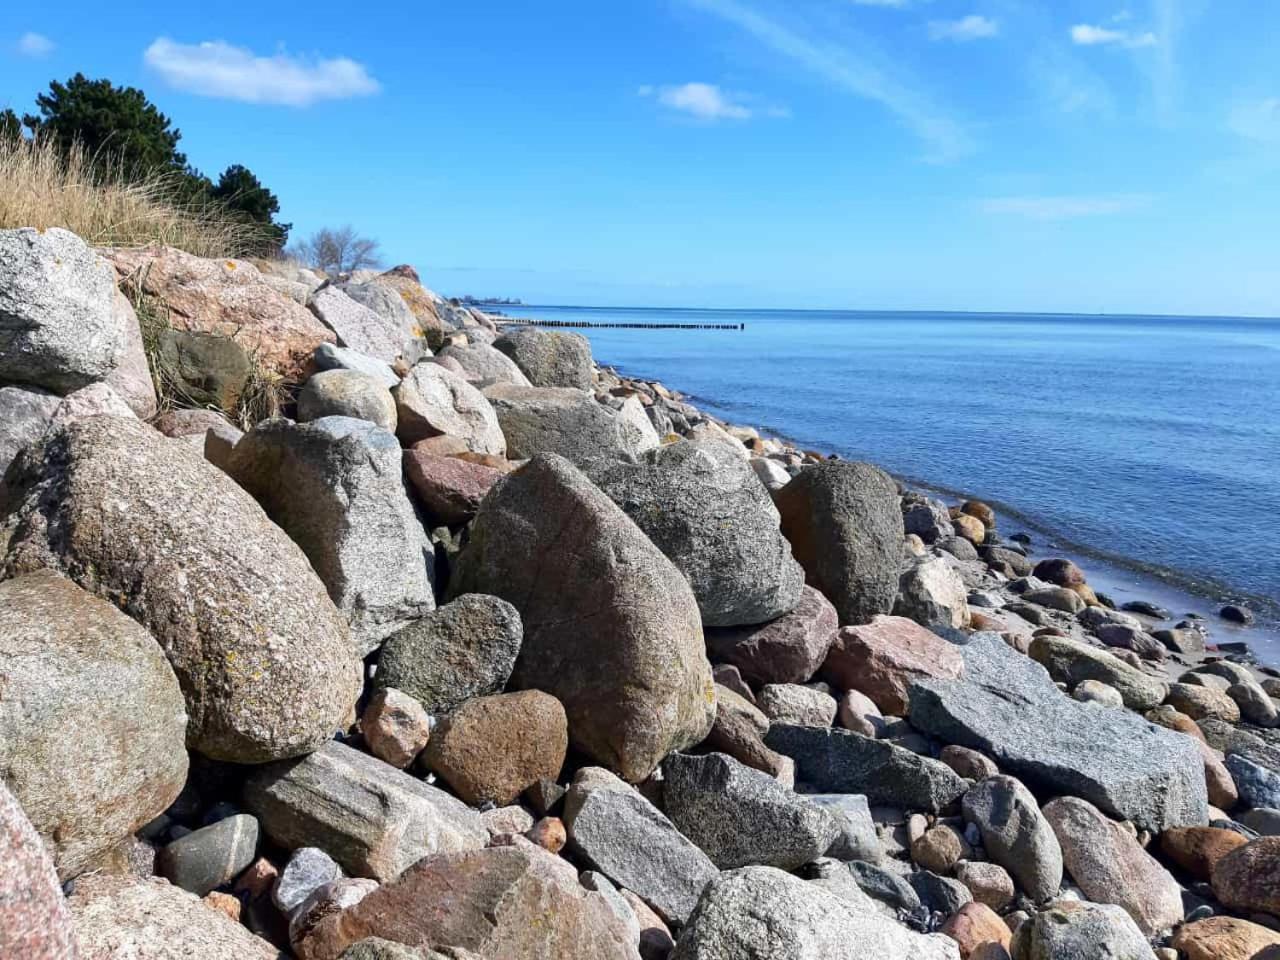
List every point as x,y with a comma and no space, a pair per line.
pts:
1147,447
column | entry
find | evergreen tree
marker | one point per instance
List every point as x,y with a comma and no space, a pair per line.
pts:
243,192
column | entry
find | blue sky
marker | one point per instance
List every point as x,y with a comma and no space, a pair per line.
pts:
1074,155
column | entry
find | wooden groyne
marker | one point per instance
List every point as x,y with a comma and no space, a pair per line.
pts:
594,325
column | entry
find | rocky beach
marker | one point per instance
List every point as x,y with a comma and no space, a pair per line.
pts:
339,619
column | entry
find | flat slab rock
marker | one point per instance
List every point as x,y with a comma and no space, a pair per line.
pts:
1007,707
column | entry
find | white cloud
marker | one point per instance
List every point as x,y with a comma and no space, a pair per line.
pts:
35,45
705,101
1087,35
1256,120
217,69
857,67
972,27
1065,207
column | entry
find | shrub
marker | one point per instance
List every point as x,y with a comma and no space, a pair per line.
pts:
339,250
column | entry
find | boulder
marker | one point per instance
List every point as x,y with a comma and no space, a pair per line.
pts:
466,648
932,594
793,703
265,659
1255,706
1200,703
371,818
336,486
395,726
59,325
549,358
1071,662
485,364
761,913
203,369
422,303
883,658
490,749
611,628
1248,878
386,297
1016,835
1059,572
709,514
347,393
740,816
976,924
357,327
433,401
92,721
562,421
34,923
939,849
616,831
1077,930
451,489
230,298
131,379
1126,637
927,519
739,731
25,414
325,901
1197,849
1109,865
789,649
1061,599
988,883
1256,785
845,528
331,357
1007,707
211,856
1225,938
970,530
856,837
638,433
837,761
493,904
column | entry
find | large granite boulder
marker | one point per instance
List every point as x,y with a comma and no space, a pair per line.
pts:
230,298
1016,835
34,923
1248,878
933,594
611,628
549,358
485,364
761,913
1078,930
789,649
740,816
263,657
709,514
92,722
59,327
371,818
1226,938
384,296
560,420
500,903
838,761
131,379
466,648
347,393
422,303
845,528
148,919
358,327
336,486
25,414
331,357
881,660
1007,707
434,401
616,831
1071,662
451,489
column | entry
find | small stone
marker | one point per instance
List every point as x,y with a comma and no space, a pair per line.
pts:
548,833
858,713
989,883
975,924
656,942
225,903
1234,613
1095,691
258,879
308,869
1200,703
545,795
395,727
210,856
970,764
792,703
1197,849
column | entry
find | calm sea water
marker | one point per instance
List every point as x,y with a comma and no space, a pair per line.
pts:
1154,441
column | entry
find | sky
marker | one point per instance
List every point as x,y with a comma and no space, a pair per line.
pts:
1095,156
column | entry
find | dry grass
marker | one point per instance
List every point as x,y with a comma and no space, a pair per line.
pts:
42,187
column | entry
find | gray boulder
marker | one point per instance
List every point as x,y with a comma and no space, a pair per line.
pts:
563,421
740,816
465,649
837,761
549,358
1078,930
1071,662
856,837
59,327
486,365
611,628
25,415
336,486
261,653
385,300
331,357
371,818
347,393
1258,786
709,514
1016,835
928,519
433,401
638,433
92,721
1007,707
358,327
211,856
620,833
932,594
761,913
845,528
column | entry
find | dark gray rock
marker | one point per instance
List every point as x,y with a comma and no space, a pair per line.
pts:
1263,821
466,648
740,816
211,856
1258,786
25,414
549,358
308,869
838,761
845,528
1007,707
706,510
1016,835
960,548
337,487
885,886
203,369
1078,930
856,839
939,894
927,519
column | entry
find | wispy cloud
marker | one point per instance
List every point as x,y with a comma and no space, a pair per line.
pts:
857,67
1088,35
1257,120
972,27
1065,207
703,101
35,45
217,69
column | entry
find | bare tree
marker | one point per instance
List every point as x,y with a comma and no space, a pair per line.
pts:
339,250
